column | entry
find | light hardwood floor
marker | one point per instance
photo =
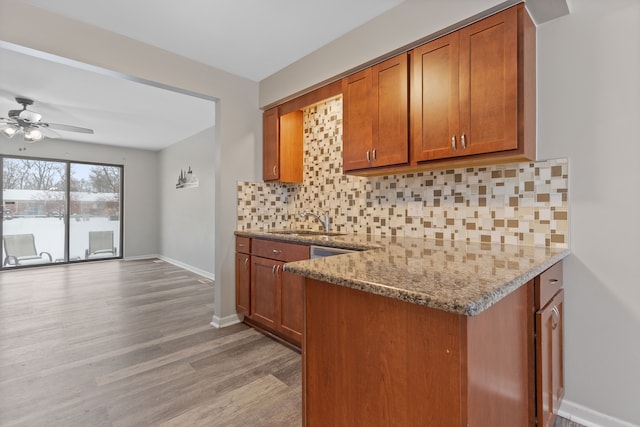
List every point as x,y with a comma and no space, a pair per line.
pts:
128,343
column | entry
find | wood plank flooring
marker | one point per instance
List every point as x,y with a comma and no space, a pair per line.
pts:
562,422
128,343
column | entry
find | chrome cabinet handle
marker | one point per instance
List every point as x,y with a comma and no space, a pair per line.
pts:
277,252
374,155
275,168
246,262
453,143
555,319
368,157
277,270
241,245
463,141
273,270
553,281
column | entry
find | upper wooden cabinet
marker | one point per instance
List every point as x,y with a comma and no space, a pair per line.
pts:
435,100
465,99
473,91
282,146
270,144
376,116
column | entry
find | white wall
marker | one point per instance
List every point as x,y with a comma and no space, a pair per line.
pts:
589,111
187,215
238,148
141,220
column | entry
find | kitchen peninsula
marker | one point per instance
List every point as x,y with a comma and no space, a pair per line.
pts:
408,331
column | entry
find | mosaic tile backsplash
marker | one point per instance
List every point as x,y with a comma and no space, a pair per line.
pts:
520,203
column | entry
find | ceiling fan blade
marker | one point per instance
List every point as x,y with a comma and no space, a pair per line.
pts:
67,128
49,133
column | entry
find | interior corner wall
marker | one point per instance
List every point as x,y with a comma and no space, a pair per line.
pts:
187,215
140,199
588,110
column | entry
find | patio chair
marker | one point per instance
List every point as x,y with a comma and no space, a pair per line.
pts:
21,250
100,245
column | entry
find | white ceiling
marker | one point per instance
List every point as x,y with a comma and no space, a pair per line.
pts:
250,38
120,112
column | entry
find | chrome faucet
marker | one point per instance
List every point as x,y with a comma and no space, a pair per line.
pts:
324,221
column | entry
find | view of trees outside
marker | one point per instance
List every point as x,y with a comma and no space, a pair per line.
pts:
25,174
35,202
22,174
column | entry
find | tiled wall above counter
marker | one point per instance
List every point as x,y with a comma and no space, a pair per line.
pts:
522,203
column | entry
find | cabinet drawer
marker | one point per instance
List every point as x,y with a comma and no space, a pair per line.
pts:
243,245
547,285
280,251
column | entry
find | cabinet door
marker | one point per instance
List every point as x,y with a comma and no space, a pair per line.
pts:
357,130
270,145
435,116
489,84
390,144
243,284
291,132
264,291
292,300
549,360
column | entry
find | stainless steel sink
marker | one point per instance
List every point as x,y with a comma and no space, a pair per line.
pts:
305,233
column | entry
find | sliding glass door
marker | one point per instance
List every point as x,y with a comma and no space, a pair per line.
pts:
94,226
59,211
34,199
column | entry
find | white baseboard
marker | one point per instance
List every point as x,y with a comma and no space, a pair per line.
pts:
140,257
222,322
192,269
588,417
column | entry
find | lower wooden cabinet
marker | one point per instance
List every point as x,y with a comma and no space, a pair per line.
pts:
549,325
243,284
265,288
376,361
273,297
370,360
243,276
291,306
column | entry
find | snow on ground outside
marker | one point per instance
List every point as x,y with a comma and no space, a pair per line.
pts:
49,233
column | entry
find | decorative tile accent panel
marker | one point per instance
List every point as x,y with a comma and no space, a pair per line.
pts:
520,203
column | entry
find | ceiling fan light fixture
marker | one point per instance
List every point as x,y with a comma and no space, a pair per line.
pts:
9,130
30,116
29,124
32,134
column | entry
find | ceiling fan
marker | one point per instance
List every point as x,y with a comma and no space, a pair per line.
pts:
30,125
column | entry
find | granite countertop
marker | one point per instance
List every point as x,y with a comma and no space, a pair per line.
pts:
454,276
